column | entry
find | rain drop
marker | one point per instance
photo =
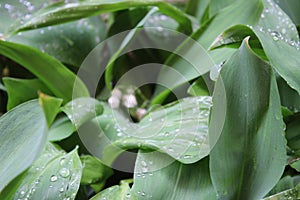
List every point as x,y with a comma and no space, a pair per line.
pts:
64,172
53,178
120,134
187,156
62,161
61,189
22,193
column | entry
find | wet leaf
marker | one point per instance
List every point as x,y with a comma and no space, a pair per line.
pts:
249,157
23,135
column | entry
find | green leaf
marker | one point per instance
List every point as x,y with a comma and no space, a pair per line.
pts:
176,180
288,194
81,110
61,12
179,130
250,156
16,87
61,129
94,172
279,38
59,79
70,43
23,135
50,106
116,192
13,10
55,175
290,7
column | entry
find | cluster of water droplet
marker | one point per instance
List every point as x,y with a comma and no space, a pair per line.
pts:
82,109
160,23
278,25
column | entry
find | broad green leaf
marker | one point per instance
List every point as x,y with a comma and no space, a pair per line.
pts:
59,79
54,175
22,90
13,10
279,38
50,106
288,194
158,176
179,130
116,192
70,42
23,135
61,129
94,172
64,12
81,110
250,156
290,7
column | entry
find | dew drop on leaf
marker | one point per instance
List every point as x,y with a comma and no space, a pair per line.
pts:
64,172
53,178
62,161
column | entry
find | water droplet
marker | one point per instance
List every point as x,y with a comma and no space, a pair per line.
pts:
283,31
167,134
144,169
143,194
61,189
120,134
53,178
187,156
275,35
64,172
22,193
160,29
62,161
150,119
262,15
37,181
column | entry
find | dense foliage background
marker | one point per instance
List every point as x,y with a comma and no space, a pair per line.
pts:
218,120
